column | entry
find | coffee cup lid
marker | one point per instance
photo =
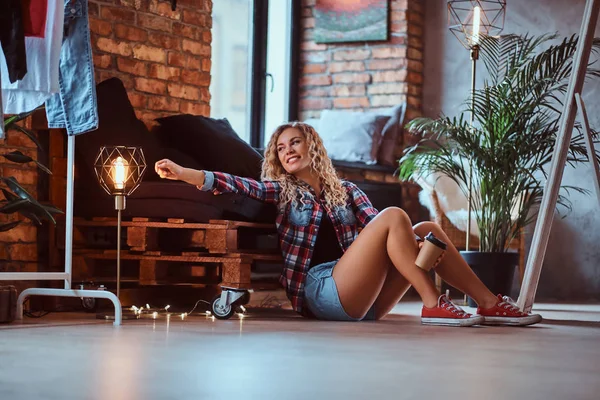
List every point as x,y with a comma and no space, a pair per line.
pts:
431,238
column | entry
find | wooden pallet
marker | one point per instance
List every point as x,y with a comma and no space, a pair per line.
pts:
235,268
217,237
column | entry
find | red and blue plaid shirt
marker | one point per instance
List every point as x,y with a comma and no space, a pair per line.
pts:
298,222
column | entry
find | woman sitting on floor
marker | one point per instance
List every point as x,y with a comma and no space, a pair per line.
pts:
343,260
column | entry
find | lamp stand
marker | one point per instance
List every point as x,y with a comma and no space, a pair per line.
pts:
119,206
474,58
127,313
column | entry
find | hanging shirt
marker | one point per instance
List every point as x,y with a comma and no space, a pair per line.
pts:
34,17
43,56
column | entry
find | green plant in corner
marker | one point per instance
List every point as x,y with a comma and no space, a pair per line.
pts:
16,198
517,115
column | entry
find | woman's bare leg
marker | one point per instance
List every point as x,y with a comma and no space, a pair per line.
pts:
394,288
361,272
455,270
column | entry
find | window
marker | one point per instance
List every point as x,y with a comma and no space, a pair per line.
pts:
277,80
251,65
231,46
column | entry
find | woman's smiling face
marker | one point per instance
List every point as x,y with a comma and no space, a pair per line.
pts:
292,150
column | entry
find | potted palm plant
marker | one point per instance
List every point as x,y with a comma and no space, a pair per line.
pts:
508,148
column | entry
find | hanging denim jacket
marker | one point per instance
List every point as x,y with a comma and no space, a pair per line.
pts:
75,107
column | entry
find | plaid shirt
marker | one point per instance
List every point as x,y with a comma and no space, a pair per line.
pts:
298,223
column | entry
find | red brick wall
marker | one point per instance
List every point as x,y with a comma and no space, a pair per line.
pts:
162,56
366,76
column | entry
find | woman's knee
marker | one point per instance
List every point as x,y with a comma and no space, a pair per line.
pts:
428,226
395,215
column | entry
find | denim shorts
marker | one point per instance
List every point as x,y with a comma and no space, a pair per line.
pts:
321,295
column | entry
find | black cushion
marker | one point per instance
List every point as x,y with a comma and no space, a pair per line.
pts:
211,142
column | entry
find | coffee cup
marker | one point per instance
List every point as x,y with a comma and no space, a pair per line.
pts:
432,249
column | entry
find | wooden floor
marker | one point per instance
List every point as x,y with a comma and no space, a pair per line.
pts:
276,355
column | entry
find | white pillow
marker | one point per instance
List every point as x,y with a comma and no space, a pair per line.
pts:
352,136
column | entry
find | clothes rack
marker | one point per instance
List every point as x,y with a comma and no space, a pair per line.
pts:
68,272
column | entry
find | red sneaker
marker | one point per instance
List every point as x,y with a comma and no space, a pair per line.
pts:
448,313
506,312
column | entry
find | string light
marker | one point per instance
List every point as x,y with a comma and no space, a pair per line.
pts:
156,313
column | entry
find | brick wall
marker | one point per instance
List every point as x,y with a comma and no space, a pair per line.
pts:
366,76
162,56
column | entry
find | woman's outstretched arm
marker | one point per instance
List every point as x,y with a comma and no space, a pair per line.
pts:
219,182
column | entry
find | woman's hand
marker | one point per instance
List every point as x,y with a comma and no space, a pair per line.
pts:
167,169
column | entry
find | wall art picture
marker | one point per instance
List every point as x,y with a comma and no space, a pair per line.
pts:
351,20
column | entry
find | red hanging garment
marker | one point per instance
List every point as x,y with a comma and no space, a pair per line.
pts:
34,17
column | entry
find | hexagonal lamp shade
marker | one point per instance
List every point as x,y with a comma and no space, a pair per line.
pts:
119,169
468,20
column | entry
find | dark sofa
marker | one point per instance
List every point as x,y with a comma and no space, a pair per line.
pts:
192,141
157,198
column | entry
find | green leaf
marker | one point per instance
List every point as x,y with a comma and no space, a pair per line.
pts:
42,167
18,157
8,195
9,226
13,185
53,210
34,208
13,119
29,134
14,206
31,216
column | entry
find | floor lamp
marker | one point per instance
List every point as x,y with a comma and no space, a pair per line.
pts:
119,170
468,20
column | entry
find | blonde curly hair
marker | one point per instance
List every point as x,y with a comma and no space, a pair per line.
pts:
320,164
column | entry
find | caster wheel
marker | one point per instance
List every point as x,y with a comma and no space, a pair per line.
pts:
89,304
221,311
245,299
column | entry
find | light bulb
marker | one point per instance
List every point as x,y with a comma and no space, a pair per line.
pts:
476,23
119,172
